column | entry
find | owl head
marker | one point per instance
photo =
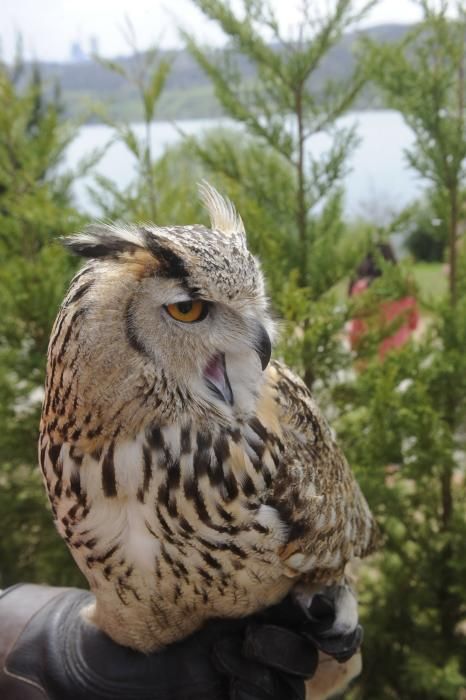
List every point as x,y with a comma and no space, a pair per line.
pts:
175,316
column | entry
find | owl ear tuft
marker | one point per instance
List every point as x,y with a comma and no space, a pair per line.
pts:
103,241
222,213
170,264
113,241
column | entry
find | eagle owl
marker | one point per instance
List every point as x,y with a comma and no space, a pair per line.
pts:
189,475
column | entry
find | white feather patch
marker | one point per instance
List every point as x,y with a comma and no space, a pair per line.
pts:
223,215
346,611
97,233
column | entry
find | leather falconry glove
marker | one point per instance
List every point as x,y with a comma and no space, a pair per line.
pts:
48,651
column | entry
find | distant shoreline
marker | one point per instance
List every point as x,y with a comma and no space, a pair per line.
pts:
135,118
188,93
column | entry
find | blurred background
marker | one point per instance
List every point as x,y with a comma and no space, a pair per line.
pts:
338,129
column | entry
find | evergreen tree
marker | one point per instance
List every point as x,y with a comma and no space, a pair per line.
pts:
403,421
35,208
402,426
424,78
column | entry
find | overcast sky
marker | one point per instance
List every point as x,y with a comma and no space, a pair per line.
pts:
49,27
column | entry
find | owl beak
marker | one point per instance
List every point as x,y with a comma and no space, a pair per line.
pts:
263,346
216,377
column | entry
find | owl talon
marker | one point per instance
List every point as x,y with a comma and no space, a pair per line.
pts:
322,610
334,611
341,647
336,604
333,623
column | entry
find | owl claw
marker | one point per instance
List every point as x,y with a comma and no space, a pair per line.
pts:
334,611
316,622
322,611
341,647
333,622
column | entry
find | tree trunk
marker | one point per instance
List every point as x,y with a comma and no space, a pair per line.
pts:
301,210
301,223
452,252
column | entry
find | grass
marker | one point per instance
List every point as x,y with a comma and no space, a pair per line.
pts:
432,280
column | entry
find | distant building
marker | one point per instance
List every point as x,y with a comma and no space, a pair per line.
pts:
93,45
77,55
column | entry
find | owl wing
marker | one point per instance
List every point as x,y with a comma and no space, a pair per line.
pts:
329,521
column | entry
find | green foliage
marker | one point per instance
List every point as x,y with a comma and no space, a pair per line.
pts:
426,236
424,78
35,208
174,178
311,332
402,426
402,421
423,244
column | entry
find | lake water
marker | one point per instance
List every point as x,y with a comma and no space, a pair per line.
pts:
378,182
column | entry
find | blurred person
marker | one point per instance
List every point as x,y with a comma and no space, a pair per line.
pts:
405,309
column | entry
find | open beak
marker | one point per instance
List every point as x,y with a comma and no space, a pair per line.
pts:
216,377
215,373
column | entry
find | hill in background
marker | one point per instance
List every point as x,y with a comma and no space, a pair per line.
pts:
189,94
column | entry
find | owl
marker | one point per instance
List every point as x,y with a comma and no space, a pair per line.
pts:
190,476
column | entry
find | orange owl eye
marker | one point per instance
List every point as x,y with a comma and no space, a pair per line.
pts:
188,311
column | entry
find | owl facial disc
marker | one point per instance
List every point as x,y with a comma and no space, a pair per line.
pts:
216,377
